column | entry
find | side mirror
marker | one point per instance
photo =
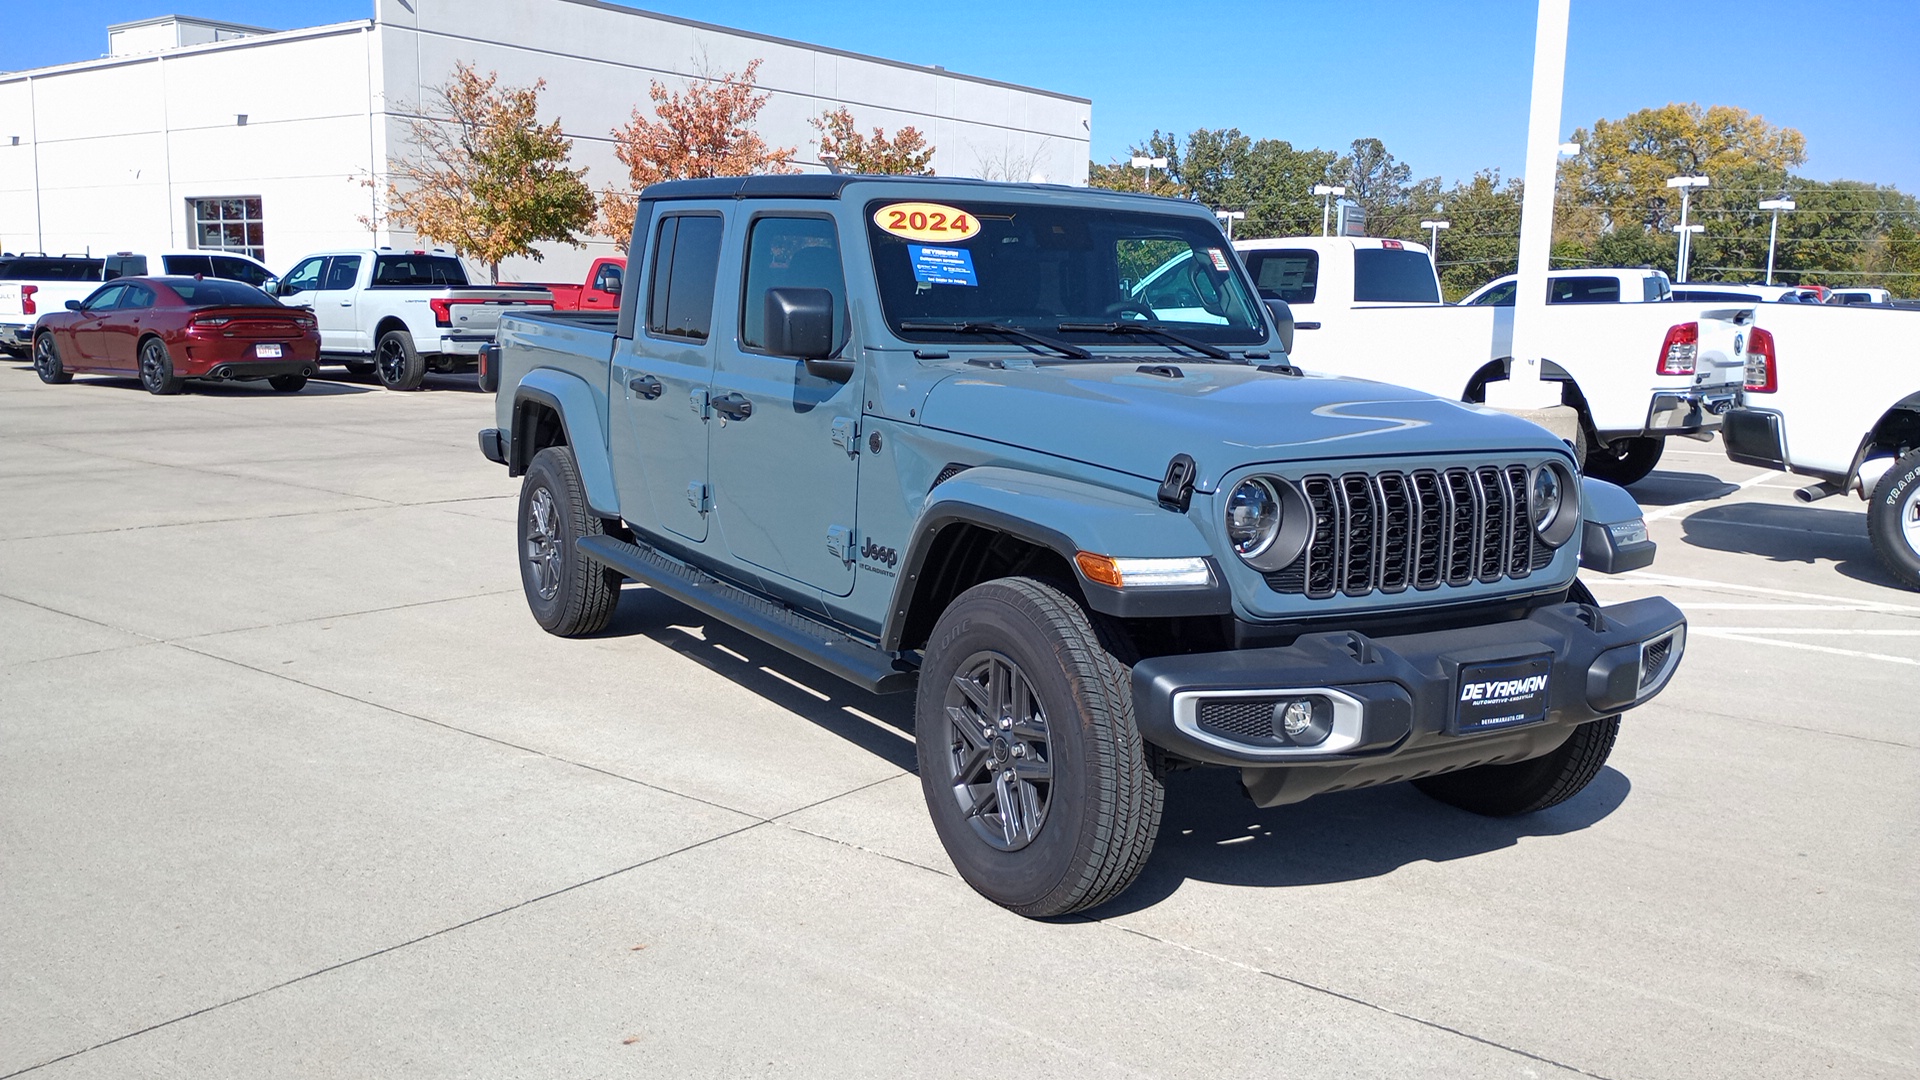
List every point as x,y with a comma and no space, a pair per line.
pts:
608,284
73,305
271,286
799,323
1282,322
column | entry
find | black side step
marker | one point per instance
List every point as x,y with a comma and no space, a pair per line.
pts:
836,652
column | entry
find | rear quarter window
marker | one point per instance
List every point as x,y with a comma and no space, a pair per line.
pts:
1386,276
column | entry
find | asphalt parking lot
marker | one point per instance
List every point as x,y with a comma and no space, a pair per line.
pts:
292,785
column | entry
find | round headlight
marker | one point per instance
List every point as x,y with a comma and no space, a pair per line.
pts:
1553,519
1253,518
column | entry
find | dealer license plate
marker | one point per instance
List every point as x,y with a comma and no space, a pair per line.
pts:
1501,694
266,351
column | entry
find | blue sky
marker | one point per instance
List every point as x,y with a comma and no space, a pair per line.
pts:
1444,85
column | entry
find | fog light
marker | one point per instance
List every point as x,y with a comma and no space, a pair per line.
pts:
1303,721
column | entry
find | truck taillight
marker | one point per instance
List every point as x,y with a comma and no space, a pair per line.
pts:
27,304
1763,364
1678,352
442,312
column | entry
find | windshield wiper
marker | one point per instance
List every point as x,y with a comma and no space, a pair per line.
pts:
1074,352
1155,329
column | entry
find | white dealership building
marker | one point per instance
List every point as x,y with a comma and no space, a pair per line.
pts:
199,134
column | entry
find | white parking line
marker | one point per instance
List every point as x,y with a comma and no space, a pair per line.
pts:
1668,511
1804,646
1830,631
1671,581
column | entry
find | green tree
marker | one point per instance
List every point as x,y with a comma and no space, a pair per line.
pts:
1623,166
485,176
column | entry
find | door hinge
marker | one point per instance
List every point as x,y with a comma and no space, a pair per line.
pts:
699,496
701,402
846,435
840,543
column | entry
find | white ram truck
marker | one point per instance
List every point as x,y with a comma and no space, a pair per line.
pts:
1587,285
400,313
1859,434
1635,373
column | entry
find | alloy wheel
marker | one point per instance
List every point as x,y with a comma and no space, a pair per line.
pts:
153,364
543,543
1000,754
393,361
44,360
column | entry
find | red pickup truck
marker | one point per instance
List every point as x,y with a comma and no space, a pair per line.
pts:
600,292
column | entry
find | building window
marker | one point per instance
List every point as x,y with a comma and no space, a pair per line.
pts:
228,225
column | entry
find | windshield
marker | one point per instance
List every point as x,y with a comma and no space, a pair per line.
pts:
1038,267
1394,276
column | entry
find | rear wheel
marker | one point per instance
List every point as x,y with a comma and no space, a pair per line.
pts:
1033,769
1624,461
1893,520
400,366
288,384
156,368
568,593
46,361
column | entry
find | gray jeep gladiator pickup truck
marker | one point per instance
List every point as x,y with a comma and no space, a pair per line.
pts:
933,435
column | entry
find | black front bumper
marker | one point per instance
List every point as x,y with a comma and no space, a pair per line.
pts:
1394,701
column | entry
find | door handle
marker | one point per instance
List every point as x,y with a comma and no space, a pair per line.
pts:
1306,326
646,386
346,303
734,406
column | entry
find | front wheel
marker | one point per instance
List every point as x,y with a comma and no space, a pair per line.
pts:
400,365
569,594
1893,520
156,369
1525,787
1032,767
1624,461
46,362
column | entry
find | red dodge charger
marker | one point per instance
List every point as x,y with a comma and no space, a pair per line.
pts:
171,329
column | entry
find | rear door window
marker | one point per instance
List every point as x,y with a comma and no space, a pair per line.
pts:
136,297
686,266
1388,276
1288,275
342,272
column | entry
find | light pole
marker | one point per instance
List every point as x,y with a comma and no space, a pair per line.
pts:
1330,193
831,160
1434,227
1228,217
1686,184
1773,233
1149,164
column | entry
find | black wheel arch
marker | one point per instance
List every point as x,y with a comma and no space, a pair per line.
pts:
538,422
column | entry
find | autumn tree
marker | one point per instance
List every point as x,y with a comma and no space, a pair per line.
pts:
905,154
1623,165
485,176
706,130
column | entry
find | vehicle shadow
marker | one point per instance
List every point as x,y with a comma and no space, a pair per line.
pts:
1212,832
461,382
1663,488
1790,534
882,725
197,388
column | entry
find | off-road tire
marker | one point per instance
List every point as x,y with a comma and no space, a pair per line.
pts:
584,593
1104,798
399,365
288,384
1892,523
156,369
1624,461
47,363
1528,786
359,367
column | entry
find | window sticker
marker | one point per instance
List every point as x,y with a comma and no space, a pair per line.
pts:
926,221
1219,259
942,266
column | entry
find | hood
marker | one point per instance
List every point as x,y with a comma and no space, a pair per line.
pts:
1112,414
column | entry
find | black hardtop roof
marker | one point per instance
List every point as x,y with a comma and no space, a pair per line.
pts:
833,185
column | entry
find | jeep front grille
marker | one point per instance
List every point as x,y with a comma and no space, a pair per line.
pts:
1391,531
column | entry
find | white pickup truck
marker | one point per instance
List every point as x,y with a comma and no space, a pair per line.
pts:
1636,373
32,286
400,313
1587,285
1856,434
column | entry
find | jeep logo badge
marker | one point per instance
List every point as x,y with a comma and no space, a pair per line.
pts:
885,556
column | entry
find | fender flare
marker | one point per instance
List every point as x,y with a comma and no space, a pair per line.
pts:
571,398
1909,405
1065,517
